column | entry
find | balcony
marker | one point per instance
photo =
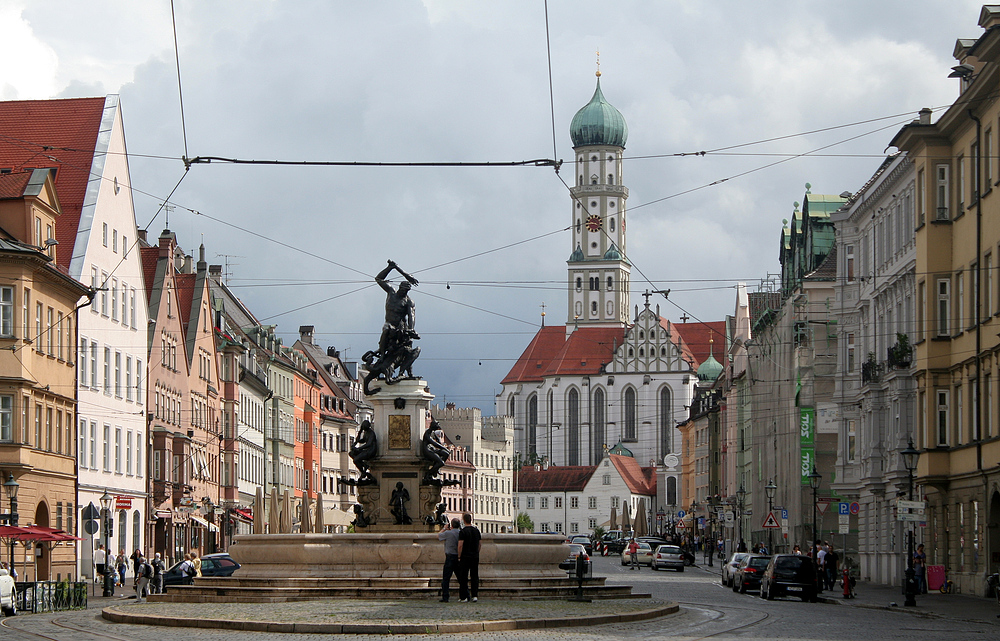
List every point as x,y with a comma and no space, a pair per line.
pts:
871,370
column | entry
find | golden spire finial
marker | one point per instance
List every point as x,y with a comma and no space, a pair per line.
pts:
598,63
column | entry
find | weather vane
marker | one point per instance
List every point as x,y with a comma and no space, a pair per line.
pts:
598,63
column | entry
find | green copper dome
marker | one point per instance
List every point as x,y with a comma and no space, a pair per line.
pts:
577,255
709,370
598,123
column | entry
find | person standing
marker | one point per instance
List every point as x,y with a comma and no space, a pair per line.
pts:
143,573
820,555
158,569
470,542
450,537
196,562
187,570
830,561
100,561
121,564
920,568
633,554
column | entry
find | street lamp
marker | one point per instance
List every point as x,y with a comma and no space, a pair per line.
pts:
109,585
910,455
770,489
10,488
741,495
814,480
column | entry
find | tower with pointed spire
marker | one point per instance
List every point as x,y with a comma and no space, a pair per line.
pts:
598,269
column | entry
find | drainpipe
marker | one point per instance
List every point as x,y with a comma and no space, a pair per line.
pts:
979,287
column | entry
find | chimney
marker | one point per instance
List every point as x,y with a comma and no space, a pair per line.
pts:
188,264
215,271
142,235
202,265
306,334
332,352
925,116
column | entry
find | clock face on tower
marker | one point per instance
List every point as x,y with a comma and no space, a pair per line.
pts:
594,222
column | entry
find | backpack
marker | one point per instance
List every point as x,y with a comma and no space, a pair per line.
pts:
189,569
147,570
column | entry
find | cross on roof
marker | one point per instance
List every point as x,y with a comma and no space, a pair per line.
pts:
685,318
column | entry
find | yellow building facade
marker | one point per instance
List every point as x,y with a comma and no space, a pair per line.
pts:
957,221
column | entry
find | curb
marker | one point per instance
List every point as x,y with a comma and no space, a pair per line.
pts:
114,615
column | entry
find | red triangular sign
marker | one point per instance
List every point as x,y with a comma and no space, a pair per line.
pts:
680,525
770,521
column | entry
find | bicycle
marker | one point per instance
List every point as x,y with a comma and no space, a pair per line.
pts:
946,587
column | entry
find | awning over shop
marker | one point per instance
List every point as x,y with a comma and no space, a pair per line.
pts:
211,527
246,515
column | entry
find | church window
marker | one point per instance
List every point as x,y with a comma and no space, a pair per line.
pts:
666,421
578,308
611,179
593,245
580,180
611,224
663,351
579,227
532,424
593,158
578,205
611,283
611,204
611,308
593,204
672,490
597,432
593,308
642,335
641,353
630,352
611,158
510,406
573,420
630,426
593,283
593,179
579,283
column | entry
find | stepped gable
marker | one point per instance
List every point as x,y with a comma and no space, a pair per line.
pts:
586,350
536,356
557,478
640,480
696,337
54,133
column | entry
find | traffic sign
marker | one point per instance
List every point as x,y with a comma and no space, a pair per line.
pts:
784,514
681,513
90,526
730,516
91,512
680,525
842,508
855,507
770,521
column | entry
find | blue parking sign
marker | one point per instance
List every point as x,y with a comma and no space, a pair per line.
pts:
844,508
784,514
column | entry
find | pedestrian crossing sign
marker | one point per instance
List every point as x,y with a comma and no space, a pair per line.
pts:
770,521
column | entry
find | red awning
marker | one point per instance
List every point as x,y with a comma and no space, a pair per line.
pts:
40,533
247,515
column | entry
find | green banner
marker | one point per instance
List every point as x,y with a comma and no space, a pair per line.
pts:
807,436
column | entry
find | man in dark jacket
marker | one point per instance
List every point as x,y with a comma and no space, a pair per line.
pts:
470,542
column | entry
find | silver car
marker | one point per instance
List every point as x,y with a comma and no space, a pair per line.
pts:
729,567
668,556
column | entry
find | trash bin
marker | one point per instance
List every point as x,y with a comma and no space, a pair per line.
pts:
935,577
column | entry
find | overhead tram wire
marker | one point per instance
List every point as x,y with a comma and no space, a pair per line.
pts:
538,162
180,93
552,100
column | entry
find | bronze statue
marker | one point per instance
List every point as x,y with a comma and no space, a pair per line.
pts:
400,496
363,451
396,354
433,449
360,520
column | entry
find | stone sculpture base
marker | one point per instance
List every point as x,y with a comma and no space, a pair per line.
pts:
391,554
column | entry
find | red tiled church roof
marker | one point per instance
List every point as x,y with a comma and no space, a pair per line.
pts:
534,360
60,134
586,350
696,337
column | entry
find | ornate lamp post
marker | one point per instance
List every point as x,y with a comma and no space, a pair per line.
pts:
814,480
10,488
106,520
910,455
770,489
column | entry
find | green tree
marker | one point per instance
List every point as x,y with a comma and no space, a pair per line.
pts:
524,523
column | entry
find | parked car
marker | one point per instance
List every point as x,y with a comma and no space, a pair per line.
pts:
220,564
614,541
575,550
729,567
668,556
749,571
644,556
789,574
584,540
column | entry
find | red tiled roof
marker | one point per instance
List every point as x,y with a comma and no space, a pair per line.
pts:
639,480
185,295
150,256
54,133
587,349
561,478
535,358
13,185
696,337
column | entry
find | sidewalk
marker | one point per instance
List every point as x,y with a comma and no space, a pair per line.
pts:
890,597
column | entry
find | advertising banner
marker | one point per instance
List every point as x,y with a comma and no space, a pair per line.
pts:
807,438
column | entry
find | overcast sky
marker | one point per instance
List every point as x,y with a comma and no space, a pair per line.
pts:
457,80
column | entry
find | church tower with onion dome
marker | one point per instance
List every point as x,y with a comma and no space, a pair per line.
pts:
598,269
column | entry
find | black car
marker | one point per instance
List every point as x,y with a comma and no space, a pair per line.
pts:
220,564
791,575
749,571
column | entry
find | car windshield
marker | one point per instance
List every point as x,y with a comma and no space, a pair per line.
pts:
576,549
759,562
739,556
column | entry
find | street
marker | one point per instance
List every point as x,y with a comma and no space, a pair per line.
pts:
708,610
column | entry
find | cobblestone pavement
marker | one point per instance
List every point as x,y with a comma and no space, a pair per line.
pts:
708,609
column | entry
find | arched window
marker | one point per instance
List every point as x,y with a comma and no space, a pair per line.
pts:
631,433
611,283
579,283
671,490
597,429
550,410
611,224
593,308
573,423
594,283
532,424
580,180
611,179
510,406
666,421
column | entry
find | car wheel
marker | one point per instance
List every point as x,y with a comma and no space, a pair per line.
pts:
743,588
769,595
735,587
722,580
